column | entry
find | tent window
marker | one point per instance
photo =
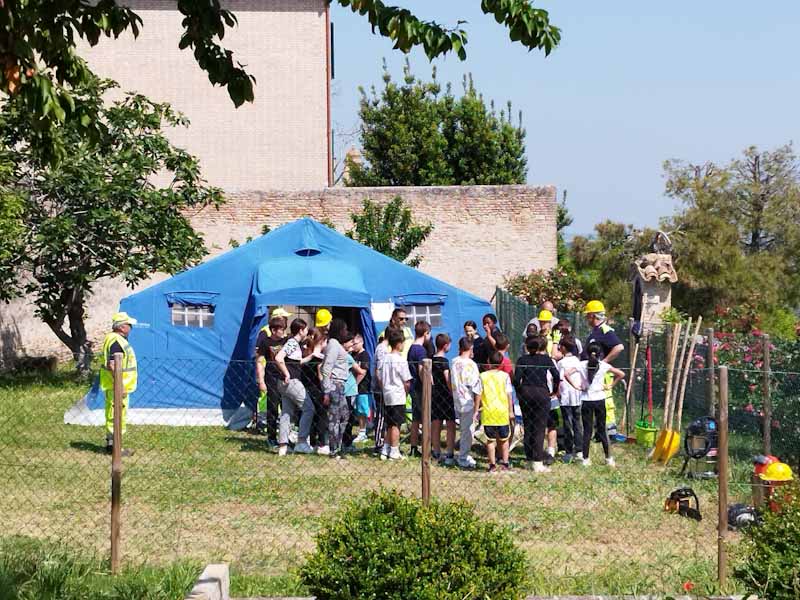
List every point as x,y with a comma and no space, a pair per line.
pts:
432,313
201,315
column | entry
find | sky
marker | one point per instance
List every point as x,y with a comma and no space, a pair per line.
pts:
631,85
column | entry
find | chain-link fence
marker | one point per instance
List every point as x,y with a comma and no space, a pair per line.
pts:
194,488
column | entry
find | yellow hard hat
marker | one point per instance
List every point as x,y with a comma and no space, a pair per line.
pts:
121,318
323,318
545,315
594,306
777,472
280,312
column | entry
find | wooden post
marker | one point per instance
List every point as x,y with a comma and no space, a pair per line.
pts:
116,462
767,398
427,385
711,392
722,465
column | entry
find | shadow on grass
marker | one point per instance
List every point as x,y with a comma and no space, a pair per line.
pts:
88,447
250,443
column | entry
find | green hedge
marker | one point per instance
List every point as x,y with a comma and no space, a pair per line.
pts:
387,546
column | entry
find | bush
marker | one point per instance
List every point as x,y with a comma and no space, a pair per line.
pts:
384,545
35,570
770,564
556,285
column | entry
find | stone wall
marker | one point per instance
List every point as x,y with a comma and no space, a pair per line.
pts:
480,234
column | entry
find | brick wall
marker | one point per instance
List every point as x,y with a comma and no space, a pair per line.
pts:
278,142
480,234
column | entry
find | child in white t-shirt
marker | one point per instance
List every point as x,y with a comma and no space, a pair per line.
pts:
465,380
394,377
570,399
593,398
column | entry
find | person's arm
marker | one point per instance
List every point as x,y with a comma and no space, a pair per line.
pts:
262,387
614,353
489,338
358,371
331,354
478,402
510,394
568,377
618,376
556,381
280,361
447,378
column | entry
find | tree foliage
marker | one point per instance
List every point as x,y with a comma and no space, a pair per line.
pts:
737,240
558,285
97,214
390,229
603,263
413,133
40,65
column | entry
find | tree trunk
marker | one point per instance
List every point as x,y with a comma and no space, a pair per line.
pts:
82,347
77,341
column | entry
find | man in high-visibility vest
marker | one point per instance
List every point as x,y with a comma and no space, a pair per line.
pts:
116,342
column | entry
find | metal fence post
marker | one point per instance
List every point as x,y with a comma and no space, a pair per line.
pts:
427,385
722,464
116,463
767,398
711,389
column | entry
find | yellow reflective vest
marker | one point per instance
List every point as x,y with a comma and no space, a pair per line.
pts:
129,372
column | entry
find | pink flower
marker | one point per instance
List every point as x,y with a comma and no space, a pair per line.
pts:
688,586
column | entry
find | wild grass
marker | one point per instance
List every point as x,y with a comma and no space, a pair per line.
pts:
193,495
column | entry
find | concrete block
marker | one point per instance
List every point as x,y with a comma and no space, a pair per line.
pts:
214,583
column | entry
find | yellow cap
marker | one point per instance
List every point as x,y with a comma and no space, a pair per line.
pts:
323,318
594,306
121,318
280,312
777,472
545,315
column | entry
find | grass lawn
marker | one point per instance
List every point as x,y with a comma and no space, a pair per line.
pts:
206,494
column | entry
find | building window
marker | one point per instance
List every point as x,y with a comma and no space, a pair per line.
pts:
432,313
192,316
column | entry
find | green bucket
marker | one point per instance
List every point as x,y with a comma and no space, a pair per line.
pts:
645,435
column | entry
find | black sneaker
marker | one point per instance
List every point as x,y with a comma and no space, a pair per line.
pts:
549,460
414,452
568,458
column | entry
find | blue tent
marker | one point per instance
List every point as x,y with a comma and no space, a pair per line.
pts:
196,333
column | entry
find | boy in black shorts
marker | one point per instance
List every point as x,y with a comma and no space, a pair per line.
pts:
394,379
442,408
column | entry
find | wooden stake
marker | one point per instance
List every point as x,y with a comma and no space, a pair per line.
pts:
427,385
684,376
116,463
722,465
676,336
767,399
711,392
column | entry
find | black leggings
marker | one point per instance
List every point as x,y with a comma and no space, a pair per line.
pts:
534,401
594,411
573,428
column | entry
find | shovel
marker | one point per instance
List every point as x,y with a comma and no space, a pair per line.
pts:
673,440
661,441
672,451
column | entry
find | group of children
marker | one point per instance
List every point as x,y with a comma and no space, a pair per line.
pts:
323,378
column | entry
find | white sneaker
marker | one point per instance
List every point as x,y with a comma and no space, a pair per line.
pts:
385,452
586,462
293,436
579,456
361,437
611,462
324,450
282,450
395,454
466,463
539,467
303,448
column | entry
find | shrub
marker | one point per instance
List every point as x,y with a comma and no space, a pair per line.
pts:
770,564
384,545
556,285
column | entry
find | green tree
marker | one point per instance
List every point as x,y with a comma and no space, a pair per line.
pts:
97,214
39,62
415,134
738,233
603,263
390,229
563,220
